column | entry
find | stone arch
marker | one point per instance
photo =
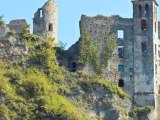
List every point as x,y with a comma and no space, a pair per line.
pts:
146,9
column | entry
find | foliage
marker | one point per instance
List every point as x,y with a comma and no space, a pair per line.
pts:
59,106
110,86
140,110
62,45
89,52
108,50
38,89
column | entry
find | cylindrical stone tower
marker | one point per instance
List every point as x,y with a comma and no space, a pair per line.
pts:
45,21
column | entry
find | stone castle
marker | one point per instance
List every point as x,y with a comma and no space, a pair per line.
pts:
136,60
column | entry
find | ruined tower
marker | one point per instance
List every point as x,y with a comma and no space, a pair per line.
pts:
45,20
145,47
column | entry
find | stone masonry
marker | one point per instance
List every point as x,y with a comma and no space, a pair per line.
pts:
137,56
45,21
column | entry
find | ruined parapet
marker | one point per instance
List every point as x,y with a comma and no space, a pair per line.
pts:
98,27
45,21
19,26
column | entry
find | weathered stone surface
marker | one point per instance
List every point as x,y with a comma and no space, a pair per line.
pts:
18,25
45,21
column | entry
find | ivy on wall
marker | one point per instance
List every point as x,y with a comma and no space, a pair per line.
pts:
90,51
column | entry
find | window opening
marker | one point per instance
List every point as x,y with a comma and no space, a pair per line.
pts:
155,49
120,68
120,34
41,14
120,51
121,83
146,9
131,70
156,68
140,10
50,27
144,46
74,66
143,24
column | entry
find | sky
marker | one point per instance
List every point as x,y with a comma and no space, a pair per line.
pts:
69,13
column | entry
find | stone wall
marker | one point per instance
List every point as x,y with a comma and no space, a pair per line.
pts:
12,49
45,21
99,28
18,25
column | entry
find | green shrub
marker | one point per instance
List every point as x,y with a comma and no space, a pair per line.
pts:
140,110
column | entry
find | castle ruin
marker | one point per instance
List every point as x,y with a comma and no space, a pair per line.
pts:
136,59
137,56
45,21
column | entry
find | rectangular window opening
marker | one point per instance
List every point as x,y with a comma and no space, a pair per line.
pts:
50,27
121,68
41,14
121,51
121,34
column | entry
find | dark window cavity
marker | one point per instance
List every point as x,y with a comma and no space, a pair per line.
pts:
50,28
120,68
73,67
146,9
144,46
143,24
156,68
121,34
131,70
121,83
121,52
155,49
140,9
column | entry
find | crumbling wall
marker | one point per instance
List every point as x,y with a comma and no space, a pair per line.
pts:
18,25
99,28
12,49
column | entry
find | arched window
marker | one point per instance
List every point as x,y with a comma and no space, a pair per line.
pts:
143,24
146,9
144,46
140,10
121,83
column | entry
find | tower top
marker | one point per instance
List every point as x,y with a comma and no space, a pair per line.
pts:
145,1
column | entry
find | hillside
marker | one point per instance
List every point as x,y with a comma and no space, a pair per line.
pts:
36,88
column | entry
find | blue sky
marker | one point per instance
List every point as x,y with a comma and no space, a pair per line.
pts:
70,12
